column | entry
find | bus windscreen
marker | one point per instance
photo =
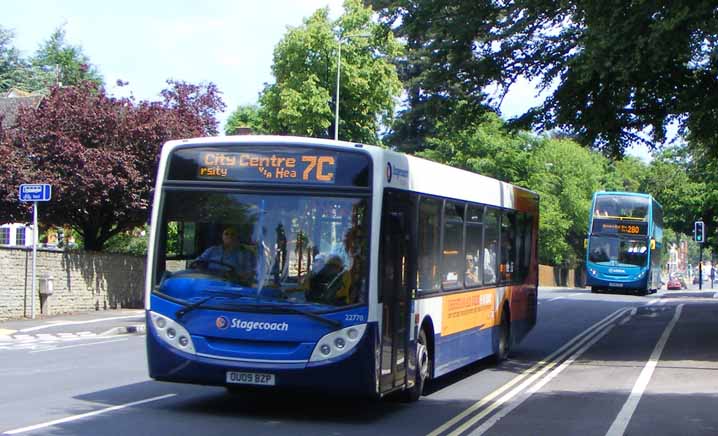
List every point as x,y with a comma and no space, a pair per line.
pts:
622,207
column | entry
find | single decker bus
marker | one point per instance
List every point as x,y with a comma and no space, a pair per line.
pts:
284,262
625,237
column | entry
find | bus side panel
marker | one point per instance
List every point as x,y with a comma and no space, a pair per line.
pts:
464,326
460,349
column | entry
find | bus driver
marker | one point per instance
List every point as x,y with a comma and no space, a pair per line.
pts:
230,257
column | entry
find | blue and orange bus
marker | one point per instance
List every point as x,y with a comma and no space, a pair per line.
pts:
432,267
625,238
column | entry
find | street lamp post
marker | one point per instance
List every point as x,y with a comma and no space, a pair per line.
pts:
336,103
339,65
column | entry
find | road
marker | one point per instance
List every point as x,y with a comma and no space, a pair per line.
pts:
596,364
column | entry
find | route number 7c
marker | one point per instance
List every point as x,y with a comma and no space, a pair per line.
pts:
316,164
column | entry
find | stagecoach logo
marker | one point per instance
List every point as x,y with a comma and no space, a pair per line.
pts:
394,172
222,322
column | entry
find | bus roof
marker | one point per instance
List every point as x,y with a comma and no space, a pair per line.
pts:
402,171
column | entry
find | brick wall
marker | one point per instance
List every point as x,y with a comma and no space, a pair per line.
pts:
82,282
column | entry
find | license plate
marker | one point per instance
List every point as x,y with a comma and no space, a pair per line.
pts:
250,378
616,285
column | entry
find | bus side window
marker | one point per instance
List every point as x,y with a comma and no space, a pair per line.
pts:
508,246
452,251
428,277
474,234
491,244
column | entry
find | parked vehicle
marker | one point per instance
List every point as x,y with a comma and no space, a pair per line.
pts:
674,284
681,278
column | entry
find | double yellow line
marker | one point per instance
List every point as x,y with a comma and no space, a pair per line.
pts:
530,380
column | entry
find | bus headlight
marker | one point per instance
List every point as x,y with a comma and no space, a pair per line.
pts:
592,271
172,333
338,343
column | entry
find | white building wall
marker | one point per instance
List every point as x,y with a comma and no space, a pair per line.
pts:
13,229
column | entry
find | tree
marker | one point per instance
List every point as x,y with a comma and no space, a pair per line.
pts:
483,147
303,98
618,71
565,175
681,195
441,74
66,63
16,72
247,116
99,153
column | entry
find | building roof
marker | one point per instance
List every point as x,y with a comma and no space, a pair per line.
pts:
12,101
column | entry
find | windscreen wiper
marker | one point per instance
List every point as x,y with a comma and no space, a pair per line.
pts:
190,307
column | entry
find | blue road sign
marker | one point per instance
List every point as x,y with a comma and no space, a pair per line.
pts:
36,192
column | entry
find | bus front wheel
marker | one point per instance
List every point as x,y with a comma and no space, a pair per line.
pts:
422,369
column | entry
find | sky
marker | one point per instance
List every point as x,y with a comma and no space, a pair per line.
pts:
145,43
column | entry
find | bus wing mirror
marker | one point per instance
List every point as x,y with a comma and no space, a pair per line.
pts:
585,243
653,244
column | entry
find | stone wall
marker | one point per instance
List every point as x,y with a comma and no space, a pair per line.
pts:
82,282
554,276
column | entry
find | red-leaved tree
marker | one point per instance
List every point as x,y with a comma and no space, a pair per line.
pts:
99,153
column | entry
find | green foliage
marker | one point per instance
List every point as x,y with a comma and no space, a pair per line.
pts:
130,242
616,70
16,72
565,175
66,63
303,98
245,116
483,147
681,195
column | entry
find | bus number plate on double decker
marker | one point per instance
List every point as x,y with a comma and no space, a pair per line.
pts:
250,378
616,285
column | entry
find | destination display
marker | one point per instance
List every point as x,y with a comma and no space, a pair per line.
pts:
617,227
263,164
312,168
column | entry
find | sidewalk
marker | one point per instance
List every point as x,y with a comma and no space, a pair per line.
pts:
99,323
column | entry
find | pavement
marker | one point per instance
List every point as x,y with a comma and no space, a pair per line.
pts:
87,324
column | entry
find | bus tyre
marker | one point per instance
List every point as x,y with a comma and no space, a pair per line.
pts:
503,338
421,375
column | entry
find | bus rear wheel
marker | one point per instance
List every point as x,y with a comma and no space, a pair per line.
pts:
503,338
423,364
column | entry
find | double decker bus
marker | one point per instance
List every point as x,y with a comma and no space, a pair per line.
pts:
625,238
365,271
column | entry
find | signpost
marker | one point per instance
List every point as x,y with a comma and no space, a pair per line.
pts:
34,193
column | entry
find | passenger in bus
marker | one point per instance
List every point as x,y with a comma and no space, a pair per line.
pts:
231,257
471,277
329,281
490,263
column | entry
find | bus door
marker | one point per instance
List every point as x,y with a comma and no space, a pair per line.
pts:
394,279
